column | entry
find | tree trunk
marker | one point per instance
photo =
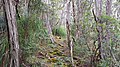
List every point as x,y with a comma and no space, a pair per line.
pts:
73,7
49,29
69,41
108,36
108,12
79,17
68,22
98,11
48,23
12,32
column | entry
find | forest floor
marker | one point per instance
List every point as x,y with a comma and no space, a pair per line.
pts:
56,55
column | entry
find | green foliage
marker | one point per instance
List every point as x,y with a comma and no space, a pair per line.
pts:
31,31
3,50
73,27
38,27
80,50
105,18
36,6
3,24
105,63
59,31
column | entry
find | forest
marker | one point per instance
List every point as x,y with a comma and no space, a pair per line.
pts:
59,33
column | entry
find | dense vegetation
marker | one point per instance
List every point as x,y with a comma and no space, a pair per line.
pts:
60,33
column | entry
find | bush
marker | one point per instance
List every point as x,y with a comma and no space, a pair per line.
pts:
4,46
59,31
36,32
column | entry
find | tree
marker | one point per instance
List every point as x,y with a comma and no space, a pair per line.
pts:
98,12
69,40
10,12
100,30
78,18
108,13
48,23
108,33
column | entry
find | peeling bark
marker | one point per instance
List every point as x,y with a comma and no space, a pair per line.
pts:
12,32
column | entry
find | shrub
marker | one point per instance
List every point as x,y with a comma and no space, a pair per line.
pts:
59,31
36,32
